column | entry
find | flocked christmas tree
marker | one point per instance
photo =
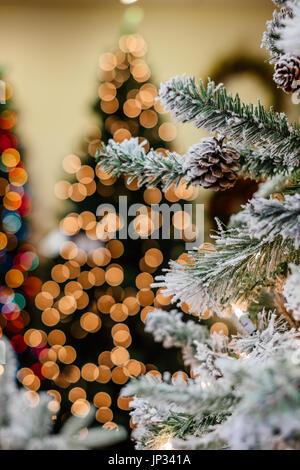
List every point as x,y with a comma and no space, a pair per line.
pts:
101,281
26,417
244,387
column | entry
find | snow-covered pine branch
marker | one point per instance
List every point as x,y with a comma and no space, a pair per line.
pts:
199,349
289,40
271,337
152,168
267,144
8,385
213,109
267,416
291,291
254,163
154,424
245,394
192,398
265,234
213,414
274,30
268,218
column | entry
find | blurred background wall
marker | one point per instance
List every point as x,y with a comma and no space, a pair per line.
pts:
52,47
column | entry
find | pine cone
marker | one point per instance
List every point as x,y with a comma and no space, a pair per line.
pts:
287,72
212,165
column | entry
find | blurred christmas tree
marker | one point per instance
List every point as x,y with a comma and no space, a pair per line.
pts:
26,418
100,281
17,257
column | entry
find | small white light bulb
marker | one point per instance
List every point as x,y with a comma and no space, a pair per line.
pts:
244,319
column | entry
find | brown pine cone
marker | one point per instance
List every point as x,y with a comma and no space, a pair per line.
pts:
212,165
287,72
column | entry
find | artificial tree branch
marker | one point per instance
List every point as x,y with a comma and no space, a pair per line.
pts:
279,303
213,109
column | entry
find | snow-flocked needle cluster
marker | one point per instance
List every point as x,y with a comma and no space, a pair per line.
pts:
242,393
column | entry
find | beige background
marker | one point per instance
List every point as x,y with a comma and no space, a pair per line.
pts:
52,50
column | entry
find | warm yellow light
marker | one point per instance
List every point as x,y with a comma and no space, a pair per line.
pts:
239,313
127,2
205,385
165,444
